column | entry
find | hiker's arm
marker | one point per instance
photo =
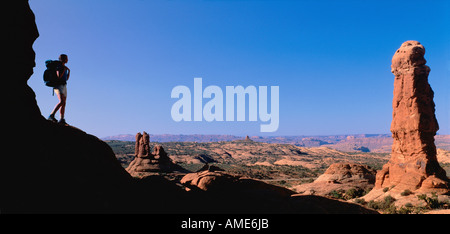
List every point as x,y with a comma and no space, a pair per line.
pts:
68,73
60,74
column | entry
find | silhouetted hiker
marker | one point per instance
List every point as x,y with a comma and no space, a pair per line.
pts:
63,73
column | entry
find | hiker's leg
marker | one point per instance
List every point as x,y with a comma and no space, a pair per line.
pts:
63,90
63,106
57,105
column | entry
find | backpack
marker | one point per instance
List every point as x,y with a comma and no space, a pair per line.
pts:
50,77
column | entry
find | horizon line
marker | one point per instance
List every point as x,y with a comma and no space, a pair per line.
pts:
238,135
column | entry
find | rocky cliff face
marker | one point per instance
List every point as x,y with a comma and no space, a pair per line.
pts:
44,169
413,165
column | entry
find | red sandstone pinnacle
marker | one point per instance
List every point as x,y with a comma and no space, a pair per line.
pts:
142,148
413,164
148,163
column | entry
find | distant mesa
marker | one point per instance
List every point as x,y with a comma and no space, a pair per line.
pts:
246,139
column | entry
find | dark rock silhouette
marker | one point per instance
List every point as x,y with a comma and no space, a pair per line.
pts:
49,168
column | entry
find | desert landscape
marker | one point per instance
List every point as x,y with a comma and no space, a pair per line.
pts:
410,179
321,170
57,168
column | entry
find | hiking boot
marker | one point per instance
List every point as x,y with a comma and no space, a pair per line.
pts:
52,118
62,122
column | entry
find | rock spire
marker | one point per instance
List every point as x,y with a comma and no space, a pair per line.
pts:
413,164
147,163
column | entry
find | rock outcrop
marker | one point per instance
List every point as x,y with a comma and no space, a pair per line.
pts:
413,164
347,172
148,163
208,178
340,176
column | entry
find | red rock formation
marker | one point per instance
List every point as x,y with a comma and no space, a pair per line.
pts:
146,163
215,179
341,172
142,148
340,176
413,164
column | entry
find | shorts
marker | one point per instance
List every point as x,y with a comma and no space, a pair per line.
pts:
61,90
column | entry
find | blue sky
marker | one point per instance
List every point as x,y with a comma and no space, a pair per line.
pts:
331,60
